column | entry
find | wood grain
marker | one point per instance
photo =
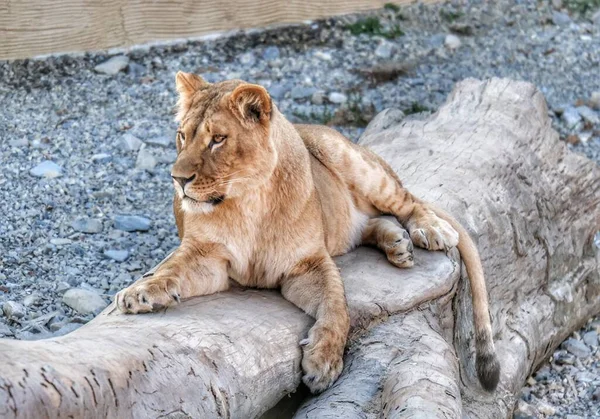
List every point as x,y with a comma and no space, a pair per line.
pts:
33,27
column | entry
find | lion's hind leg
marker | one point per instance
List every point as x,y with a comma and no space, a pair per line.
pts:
392,239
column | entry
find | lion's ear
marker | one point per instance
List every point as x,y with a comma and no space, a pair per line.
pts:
251,103
187,84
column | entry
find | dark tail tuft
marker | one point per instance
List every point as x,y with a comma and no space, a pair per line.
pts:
488,369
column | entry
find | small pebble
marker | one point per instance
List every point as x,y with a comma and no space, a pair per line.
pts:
113,65
84,301
117,255
452,41
47,169
87,225
13,310
336,97
132,223
145,160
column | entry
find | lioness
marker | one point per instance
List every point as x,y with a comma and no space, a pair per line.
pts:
269,204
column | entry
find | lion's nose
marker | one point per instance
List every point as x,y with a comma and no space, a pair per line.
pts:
183,180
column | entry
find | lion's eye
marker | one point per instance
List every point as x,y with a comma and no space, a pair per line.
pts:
216,140
219,138
181,137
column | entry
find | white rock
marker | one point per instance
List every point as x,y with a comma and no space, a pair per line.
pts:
13,310
113,65
325,56
101,158
248,58
145,160
130,142
570,117
452,41
5,330
84,301
31,299
545,408
596,18
595,98
47,169
588,115
60,242
385,49
117,255
336,97
560,19
19,143
161,141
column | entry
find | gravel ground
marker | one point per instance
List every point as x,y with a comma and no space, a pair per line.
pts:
86,144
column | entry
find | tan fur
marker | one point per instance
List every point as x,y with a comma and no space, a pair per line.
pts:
269,204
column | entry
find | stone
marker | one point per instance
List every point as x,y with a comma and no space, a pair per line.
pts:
525,411
563,358
5,330
136,70
161,141
60,242
317,98
596,394
271,53
576,347
31,299
101,158
62,287
322,55
595,98
248,58
167,156
278,91
130,142
570,117
588,115
13,310
117,255
560,19
299,92
545,408
385,49
336,97
145,160
596,18
437,40
19,143
113,65
452,41
591,338
47,169
87,225
84,301
462,29
132,223
585,377
585,136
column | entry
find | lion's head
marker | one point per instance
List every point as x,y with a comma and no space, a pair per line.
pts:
223,141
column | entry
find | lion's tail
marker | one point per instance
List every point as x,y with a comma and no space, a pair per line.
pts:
488,367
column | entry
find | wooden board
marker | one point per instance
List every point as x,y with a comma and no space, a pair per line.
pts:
34,27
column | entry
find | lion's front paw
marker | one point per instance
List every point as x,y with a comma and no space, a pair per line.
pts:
322,361
149,295
400,252
433,233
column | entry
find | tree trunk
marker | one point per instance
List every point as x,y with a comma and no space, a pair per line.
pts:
491,158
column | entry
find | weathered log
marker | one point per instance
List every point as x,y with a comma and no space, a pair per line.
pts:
490,157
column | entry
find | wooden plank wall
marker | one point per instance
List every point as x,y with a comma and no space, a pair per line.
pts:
30,28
